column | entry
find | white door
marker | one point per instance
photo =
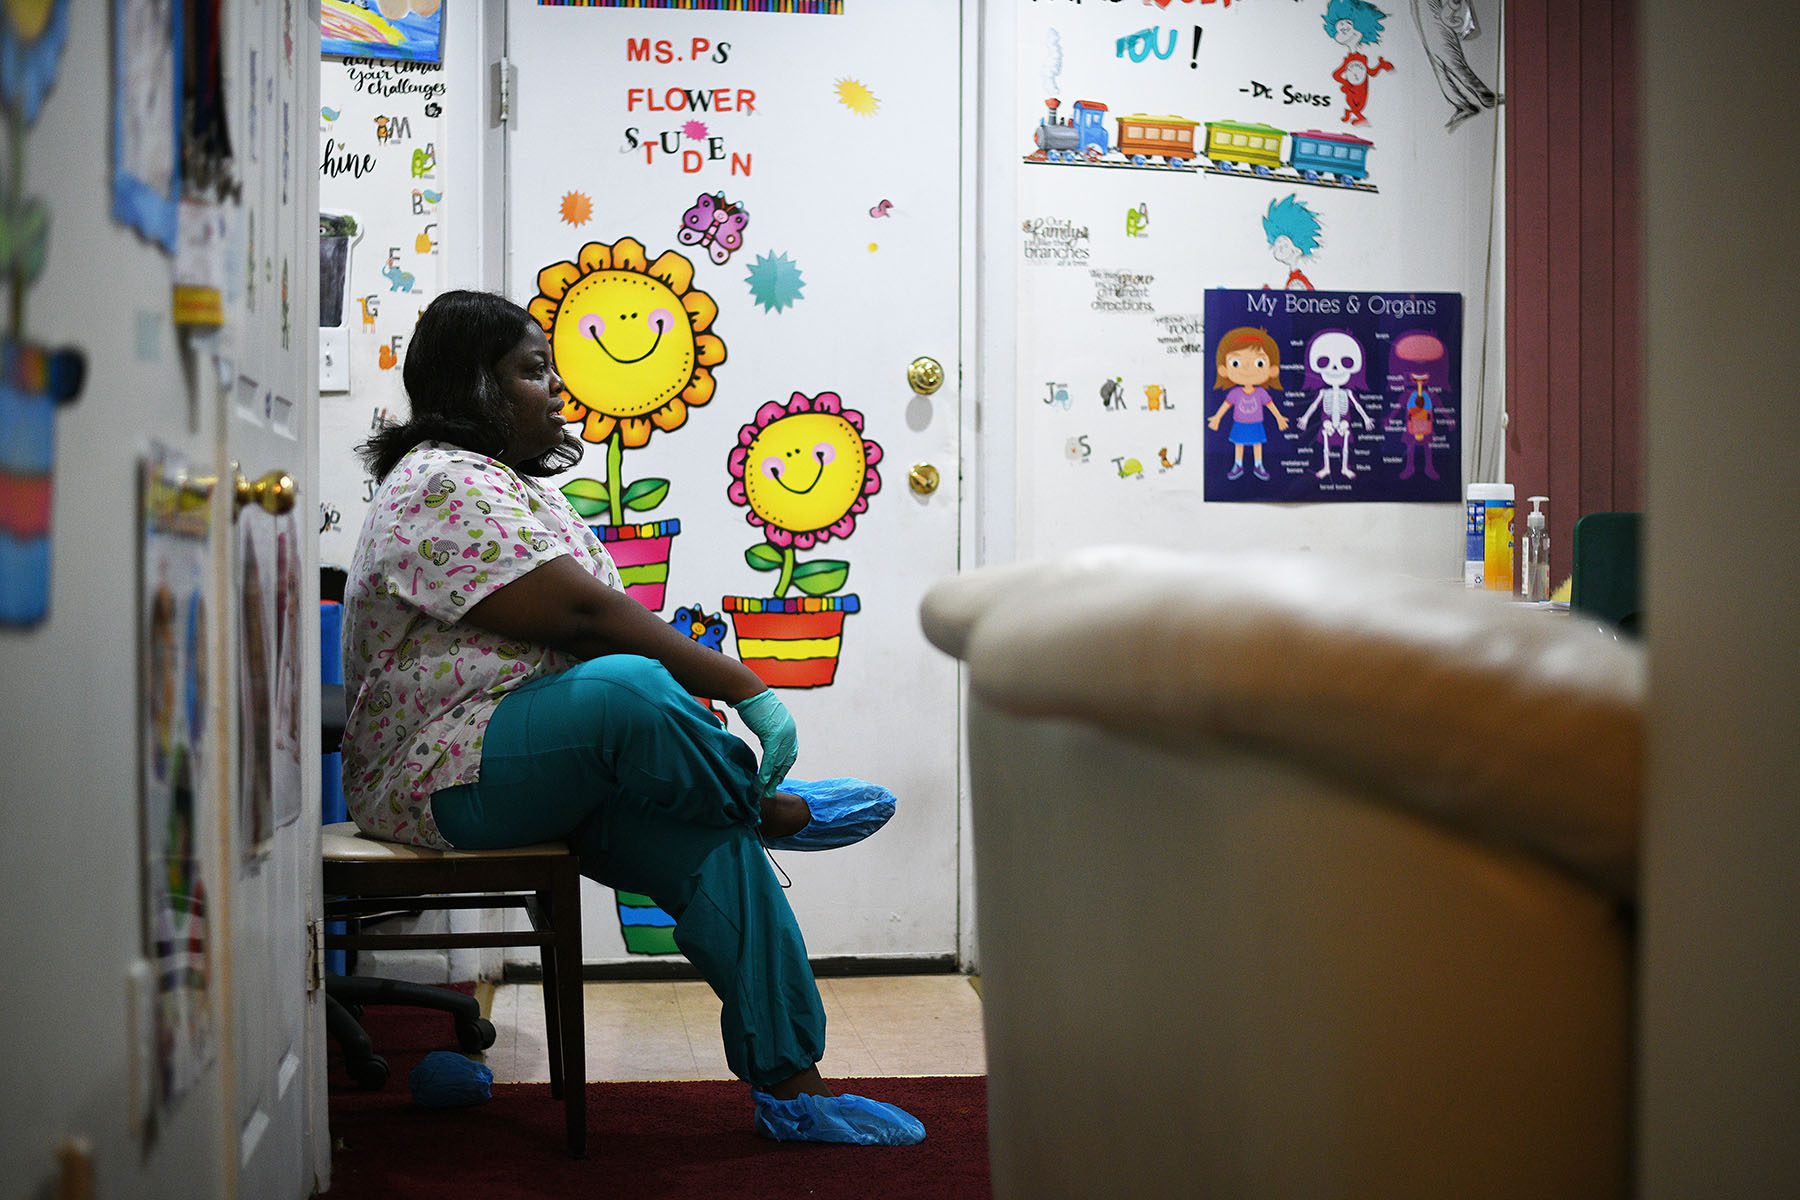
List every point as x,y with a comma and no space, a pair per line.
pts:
267,411
740,228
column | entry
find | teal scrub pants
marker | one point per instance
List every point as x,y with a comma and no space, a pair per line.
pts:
615,758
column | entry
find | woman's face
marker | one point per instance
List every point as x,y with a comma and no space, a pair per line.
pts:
533,391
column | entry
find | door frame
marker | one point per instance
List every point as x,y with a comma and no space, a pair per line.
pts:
984,468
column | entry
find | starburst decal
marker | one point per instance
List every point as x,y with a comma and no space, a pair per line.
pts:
577,208
775,282
856,97
695,130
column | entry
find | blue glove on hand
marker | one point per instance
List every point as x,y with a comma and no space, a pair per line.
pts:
769,719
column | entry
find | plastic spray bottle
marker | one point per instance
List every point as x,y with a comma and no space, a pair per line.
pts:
1534,578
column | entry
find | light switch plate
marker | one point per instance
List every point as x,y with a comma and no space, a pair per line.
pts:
334,359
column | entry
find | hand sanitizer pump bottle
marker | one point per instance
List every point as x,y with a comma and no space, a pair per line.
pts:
1534,578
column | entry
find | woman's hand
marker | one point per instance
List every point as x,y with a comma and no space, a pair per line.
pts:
769,719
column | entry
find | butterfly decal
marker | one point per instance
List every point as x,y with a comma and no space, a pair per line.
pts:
715,223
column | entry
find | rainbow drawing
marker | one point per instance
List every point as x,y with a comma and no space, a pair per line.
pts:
351,27
814,8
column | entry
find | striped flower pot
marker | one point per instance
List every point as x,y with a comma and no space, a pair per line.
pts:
646,928
641,553
791,643
33,382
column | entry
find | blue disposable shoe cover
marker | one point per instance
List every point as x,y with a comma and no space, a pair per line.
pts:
850,1120
844,812
447,1080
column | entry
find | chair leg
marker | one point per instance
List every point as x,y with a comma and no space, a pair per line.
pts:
542,911
566,910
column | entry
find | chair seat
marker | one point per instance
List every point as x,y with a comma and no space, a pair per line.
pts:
344,842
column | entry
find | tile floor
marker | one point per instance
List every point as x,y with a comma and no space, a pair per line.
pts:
877,1025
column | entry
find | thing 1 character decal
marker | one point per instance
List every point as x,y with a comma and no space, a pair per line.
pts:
1354,24
1249,364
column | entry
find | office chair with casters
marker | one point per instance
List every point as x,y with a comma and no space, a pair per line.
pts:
365,877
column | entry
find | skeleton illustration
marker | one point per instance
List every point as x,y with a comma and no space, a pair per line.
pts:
1444,25
1334,364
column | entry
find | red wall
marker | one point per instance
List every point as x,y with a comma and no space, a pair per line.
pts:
1573,261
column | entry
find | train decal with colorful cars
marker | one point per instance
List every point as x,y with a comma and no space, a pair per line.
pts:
1240,148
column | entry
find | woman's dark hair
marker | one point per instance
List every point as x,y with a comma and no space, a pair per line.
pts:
452,388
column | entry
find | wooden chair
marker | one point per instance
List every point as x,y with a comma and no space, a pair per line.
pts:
364,877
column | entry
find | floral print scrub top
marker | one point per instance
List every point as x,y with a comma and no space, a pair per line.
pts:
446,529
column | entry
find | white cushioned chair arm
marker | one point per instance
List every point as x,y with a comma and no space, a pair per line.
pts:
1509,724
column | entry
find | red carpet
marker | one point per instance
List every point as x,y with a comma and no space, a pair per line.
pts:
644,1139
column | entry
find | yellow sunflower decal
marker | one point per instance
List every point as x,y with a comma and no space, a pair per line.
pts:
630,338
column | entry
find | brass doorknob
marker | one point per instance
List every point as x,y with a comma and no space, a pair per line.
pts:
926,375
923,479
274,492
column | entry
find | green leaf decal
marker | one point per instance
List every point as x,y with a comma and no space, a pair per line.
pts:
822,576
586,496
646,494
763,557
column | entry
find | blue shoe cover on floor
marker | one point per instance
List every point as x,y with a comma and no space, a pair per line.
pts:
446,1080
850,1120
844,811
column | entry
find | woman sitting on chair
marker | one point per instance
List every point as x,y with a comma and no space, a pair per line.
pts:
505,690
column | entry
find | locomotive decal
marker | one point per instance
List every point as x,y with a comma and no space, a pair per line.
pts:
1236,148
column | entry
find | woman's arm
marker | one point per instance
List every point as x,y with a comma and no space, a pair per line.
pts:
561,606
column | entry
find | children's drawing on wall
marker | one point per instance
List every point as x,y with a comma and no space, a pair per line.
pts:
256,693
1354,25
715,223
1128,467
1334,376
1156,398
804,471
855,95
633,341
1137,221
175,762
403,29
1370,380
34,379
289,745
1293,231
1078,449
775,282
1248,363
146,118
1166,464
1444,25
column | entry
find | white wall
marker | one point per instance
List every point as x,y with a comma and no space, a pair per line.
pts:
1429,228
1720,1109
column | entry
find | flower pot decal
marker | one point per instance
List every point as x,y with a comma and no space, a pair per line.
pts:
632,341
804,470
34,379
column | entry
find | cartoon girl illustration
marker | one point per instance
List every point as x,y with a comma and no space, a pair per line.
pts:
1293,232
1354,24
1248,363
1334,365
